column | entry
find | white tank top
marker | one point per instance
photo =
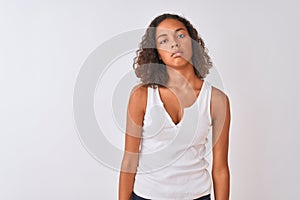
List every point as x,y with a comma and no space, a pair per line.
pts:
172,160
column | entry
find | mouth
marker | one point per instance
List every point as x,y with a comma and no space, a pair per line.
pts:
177,54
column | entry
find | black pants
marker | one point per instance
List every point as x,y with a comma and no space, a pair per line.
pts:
136,197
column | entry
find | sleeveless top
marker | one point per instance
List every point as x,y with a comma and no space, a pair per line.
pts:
172,159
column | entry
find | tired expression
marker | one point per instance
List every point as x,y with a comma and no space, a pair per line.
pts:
173,43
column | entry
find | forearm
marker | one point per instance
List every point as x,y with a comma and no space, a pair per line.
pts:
126,181
221,181
127,175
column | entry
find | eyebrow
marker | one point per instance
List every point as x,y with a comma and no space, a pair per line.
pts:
164,34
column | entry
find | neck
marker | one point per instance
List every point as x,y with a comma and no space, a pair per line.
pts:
181,78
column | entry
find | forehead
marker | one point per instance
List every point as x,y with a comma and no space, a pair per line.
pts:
169,25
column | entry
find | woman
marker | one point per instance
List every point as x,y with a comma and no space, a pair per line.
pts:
169,117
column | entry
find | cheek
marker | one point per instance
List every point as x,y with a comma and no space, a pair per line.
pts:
163,49
187,44
188,47
163,53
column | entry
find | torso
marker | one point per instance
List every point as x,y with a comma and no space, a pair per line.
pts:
176,100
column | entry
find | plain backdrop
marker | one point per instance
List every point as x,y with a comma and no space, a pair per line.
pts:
43,45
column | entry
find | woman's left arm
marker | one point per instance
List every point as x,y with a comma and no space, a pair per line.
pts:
220,112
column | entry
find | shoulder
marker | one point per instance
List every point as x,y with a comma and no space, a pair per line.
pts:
217,94
139,92
138,97
219,102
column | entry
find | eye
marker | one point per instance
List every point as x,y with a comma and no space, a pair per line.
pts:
163,41
181,35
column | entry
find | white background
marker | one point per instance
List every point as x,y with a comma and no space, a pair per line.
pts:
43,44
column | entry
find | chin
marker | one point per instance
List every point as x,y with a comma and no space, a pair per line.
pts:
180,63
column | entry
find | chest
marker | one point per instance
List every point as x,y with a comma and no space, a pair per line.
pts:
174,102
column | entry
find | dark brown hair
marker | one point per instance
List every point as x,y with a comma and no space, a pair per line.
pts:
151,70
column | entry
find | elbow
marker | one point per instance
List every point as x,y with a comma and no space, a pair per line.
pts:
129,163
220,168
221,172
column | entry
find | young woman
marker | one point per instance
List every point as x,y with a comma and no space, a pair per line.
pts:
169,118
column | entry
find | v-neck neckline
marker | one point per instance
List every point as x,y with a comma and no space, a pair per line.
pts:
186,108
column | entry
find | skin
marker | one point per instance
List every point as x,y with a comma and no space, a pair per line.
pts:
181,91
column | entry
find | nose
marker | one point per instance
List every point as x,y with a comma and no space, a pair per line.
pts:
175,44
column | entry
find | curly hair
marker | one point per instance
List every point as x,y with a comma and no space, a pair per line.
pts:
151,70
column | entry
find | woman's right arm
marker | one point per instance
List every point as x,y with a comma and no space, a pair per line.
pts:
135,116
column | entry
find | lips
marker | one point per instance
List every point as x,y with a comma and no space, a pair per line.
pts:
177,54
